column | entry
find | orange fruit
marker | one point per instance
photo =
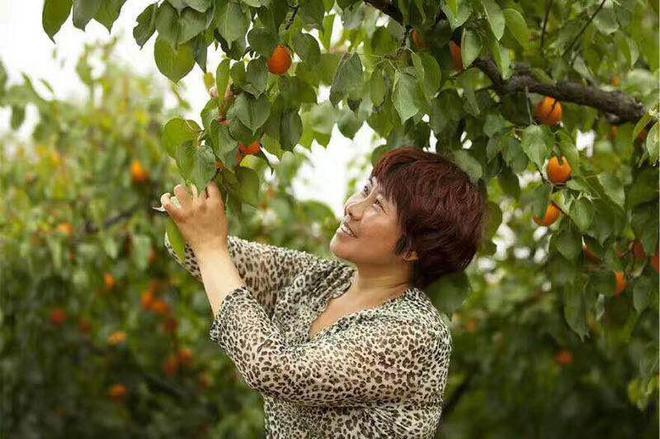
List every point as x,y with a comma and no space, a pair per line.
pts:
171,365
558,173
58,316
548,111
65,228
417,39
159,306
170,325
117,392
253,148
147,300
109,281
280,60
564,357
615,81
551,215
138,173
456,57
185,356
638,250
116,338
620,282
591,256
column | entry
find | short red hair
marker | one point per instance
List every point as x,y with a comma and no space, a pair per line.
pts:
441,212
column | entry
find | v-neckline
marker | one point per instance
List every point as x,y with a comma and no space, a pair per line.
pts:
325,302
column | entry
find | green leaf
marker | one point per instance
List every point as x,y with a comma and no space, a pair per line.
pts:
495,17
167,24
501,56
406,96
653,143
567,242
146,24
432,76
605,21
54,14
348,77
307,48
581,212
249,185
613,187
185,158
449,292
256,76
642,292
290,129
252,112
191,23
108,13
204,167
516,24
83,11
326,32
222,79
199,5
262,40
221,141
534,145
470,47
231,21
453,6
175,238
312,12
377,87
575,309
177,131
173,63
459,17
471,166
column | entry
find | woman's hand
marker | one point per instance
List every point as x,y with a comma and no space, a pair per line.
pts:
201,218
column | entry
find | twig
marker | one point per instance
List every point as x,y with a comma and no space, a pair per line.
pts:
570,46
545,22
293,17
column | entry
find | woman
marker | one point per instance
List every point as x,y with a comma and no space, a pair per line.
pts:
338,350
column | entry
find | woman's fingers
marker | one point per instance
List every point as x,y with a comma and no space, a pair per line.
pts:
214,192
183,196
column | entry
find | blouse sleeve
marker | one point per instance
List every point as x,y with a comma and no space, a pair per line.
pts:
371,362
265,268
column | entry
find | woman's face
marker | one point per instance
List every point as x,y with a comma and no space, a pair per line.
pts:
374,221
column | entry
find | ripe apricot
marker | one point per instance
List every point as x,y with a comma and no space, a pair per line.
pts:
138,173
170,365
548,111
160,307
280,60
620,282
417,39
147,300
117,392
58,316
558,173
638,250
109,281
551,215
615,81
65,228
253,148
185,356
591,256
170,325
116,338
456,57
564,357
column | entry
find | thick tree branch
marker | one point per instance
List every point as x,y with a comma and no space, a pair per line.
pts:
618,107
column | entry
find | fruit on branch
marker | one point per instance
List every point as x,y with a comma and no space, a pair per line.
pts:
456,57
116,338
138,173
417,39
591,256
280,60
118,393
252,148
620,282
109,281
551,215
65,228
58,316
564,357
558,173
638,250
548,111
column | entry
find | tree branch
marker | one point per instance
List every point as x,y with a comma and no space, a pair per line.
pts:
619,107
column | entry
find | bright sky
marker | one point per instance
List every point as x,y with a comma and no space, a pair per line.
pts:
25,48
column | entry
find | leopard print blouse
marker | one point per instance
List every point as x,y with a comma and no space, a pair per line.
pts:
378,372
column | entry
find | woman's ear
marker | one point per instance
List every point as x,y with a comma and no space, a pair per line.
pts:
410,256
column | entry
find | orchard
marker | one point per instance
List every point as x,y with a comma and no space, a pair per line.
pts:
551,106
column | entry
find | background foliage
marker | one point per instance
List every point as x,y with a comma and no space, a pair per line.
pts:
548,341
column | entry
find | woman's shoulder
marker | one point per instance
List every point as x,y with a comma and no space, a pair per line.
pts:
418,310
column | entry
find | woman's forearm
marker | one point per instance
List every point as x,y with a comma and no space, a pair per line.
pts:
219,274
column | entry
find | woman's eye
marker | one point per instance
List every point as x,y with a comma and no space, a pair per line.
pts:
364,191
